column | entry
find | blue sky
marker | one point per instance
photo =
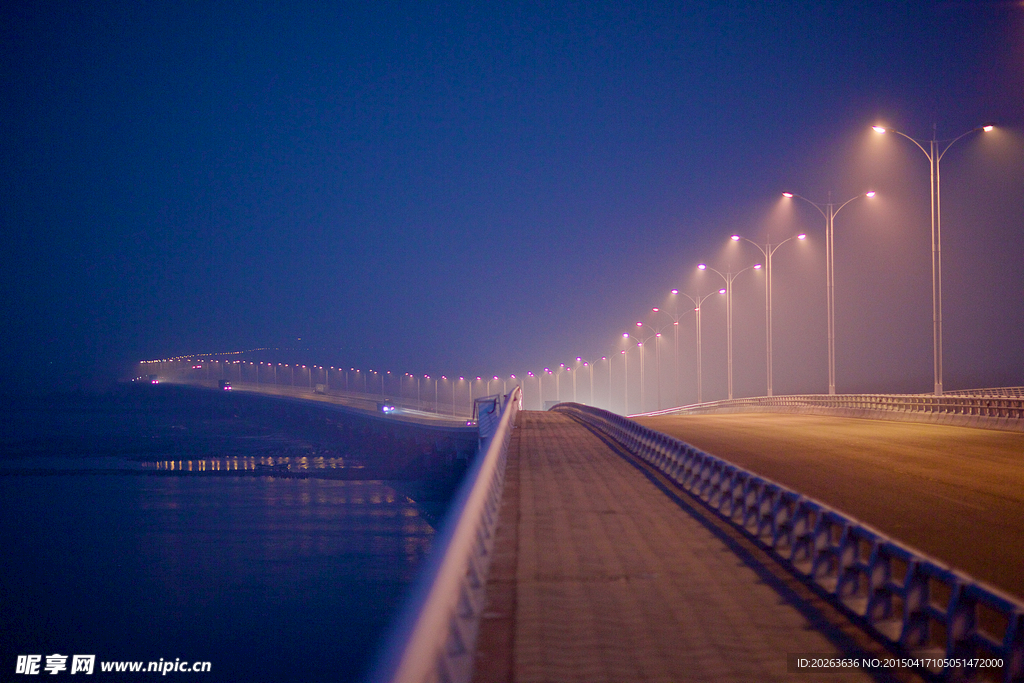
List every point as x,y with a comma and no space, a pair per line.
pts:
493,188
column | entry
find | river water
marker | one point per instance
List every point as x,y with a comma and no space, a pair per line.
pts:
123,540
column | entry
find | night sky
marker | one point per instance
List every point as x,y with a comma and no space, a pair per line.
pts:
492,188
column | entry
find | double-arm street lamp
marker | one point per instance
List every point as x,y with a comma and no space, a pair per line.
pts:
657,355
675,316
641,343
767,250
936,150
587,364
697,301
729,276
829,211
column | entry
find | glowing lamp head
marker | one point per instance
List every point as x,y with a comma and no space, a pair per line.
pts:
675,291
801,237
870,194
735,238
702,267
721,291
987,128
878,129
655,310
625,335
639,324
787,195
757,266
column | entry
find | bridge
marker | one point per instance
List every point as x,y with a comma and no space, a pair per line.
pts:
585,546
594,548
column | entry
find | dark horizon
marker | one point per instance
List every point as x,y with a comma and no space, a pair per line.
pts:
467,191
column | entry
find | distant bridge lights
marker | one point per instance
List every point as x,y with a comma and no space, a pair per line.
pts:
829,210
934,153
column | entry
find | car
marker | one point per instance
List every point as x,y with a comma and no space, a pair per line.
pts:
225,385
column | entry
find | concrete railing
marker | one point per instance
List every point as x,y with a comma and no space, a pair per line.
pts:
917,606
988,408
434,639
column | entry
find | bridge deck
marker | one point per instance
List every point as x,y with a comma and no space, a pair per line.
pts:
956,493
600,575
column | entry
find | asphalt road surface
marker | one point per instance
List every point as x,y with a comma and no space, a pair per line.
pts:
954,493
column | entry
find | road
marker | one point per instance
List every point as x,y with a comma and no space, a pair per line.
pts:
954,493
361,402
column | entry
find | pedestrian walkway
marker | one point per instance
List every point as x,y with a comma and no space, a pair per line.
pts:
600,575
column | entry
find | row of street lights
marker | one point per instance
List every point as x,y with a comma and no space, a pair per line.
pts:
645,333
829,209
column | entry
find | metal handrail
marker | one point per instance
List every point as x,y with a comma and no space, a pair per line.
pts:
902,597
1000,407
434,638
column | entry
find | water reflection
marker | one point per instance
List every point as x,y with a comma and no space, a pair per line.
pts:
209,565
268,464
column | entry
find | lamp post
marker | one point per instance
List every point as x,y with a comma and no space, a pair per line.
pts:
767,252
697,301
729,276
588,364
640,344
935,152
625,381
676,317
656,335
829,211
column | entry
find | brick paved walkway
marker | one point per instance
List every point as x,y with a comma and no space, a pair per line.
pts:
599,575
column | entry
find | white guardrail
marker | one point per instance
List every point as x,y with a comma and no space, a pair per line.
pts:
915,605
991,408
435,636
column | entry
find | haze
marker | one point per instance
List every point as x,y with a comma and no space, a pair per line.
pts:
471,189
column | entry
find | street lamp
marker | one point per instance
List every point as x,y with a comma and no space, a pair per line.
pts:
676,317
935,155
625,381
767,252
729,276
640,344
657,355
829,211
588,364
697,301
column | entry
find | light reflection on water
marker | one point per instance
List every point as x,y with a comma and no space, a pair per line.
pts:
270,464
204,568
